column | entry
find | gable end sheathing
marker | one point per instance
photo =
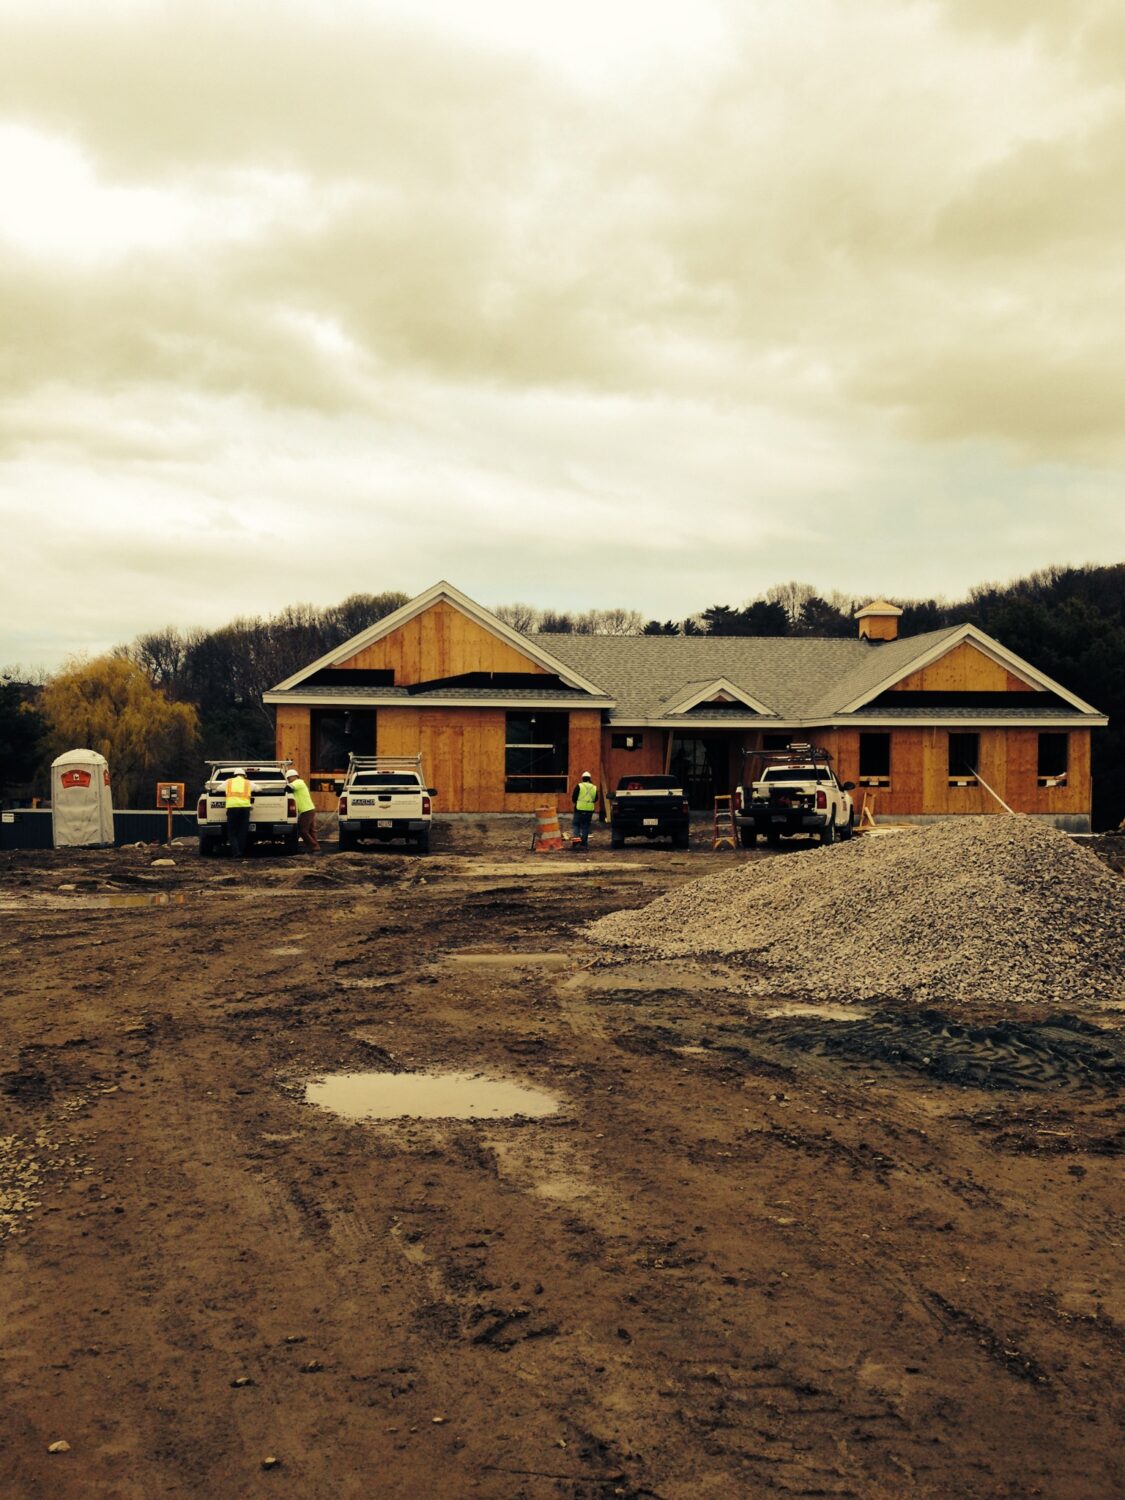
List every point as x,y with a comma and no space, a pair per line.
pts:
965,669
440,642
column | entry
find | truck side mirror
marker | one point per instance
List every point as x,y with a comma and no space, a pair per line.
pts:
431,791
847,786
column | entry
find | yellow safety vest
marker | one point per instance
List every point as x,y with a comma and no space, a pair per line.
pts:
238,792
587,796
302,796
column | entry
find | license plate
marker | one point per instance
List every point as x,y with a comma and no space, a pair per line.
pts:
384,823
253,826
779,818
363,801
651,822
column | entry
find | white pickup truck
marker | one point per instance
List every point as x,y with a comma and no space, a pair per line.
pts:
385,797
273,812
796,791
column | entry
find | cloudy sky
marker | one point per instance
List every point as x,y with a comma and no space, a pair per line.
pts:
611,302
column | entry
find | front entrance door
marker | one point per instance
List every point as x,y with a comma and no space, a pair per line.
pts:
703,763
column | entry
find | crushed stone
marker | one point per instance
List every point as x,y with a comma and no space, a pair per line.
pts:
984,909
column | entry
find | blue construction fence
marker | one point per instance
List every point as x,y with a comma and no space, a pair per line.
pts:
30,828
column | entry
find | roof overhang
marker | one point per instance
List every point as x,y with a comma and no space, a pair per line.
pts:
1029,720
442,591
344,699
988,647
706,692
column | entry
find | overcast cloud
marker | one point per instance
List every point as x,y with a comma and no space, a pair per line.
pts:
587,304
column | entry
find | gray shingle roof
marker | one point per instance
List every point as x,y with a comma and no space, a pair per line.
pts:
798,677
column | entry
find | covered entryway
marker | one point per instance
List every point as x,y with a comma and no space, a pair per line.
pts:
705,763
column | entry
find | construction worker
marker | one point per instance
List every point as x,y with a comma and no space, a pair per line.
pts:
239,796
306,811
585,799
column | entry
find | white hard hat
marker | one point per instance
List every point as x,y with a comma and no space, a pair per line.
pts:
291,775
586,776
239,771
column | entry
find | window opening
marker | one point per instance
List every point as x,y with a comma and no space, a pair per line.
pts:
627,741
337,733
964,750
874,759
1053,759
536,752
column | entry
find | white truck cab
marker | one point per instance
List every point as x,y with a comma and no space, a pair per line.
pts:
385,797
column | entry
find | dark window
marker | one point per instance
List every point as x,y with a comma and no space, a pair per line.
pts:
1053,753
338,731
775,742
963,752
627,741
536,752
875,759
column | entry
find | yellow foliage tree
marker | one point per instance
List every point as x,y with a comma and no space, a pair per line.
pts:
110,705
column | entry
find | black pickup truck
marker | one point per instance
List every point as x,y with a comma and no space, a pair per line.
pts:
653,807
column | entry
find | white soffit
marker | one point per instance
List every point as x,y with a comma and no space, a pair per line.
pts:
1036,680
483,617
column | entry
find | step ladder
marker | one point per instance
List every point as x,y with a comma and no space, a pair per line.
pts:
723,824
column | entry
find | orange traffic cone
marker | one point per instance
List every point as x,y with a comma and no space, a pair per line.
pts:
548,834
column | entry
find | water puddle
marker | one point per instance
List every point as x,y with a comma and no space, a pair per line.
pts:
426,1096
100,902
510,960
823,1012
654,978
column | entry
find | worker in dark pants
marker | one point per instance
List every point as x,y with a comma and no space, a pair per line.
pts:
585,799
239,799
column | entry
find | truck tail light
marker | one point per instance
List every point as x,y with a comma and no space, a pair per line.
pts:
343,807
687,806
425,807
291,808
201,810
821,799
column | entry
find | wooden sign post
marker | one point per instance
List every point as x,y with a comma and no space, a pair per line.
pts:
170,795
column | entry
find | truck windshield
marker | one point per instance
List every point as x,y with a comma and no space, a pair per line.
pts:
386,779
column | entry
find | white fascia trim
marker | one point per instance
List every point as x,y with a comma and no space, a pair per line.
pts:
483,617
343,700
709,690
990,648
982,721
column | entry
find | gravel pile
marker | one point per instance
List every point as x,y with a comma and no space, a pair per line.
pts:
972,909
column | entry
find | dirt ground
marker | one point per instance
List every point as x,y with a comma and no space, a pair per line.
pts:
741,1259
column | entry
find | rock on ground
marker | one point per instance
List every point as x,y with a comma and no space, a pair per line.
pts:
990,909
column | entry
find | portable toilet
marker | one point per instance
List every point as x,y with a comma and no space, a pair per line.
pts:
81,803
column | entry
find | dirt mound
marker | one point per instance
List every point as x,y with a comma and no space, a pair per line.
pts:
992,909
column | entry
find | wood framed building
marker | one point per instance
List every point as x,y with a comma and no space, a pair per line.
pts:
932,725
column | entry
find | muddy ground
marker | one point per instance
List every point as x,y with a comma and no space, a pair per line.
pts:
750,1255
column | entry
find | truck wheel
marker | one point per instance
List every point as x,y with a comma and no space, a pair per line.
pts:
849,827
208,848
681,840
422,843
747,837
347,839
773,839
828,832
616,838
290,843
